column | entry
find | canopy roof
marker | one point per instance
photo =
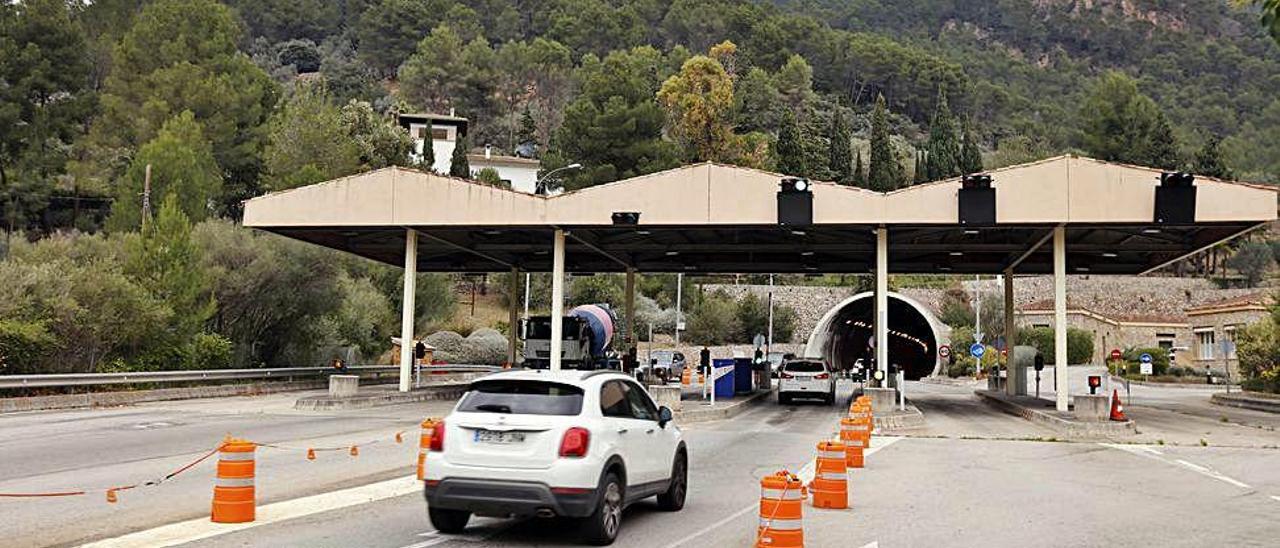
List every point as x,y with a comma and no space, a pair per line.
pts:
713,218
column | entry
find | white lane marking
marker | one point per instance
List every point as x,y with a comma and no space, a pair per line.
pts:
805,474
201,528
1153,454
1213,474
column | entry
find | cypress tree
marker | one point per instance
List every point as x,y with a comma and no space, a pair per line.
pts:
859,176
458,164
944,150
789,149
970,154
918,176
528,129
1164,146
883,173
841,157
1209,161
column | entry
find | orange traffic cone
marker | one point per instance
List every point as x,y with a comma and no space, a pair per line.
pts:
1117,410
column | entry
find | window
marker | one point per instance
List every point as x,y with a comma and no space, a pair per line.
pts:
641,406
1205,341
522,397
1229,342
804,367
613,400
439,134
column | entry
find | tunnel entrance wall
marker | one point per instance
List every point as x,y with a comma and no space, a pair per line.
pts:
843,334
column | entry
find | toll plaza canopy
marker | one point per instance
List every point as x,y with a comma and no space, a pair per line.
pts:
713,218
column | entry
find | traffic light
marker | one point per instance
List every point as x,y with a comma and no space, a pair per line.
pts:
1039,362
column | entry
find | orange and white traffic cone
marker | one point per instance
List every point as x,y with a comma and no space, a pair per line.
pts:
1117,410
233,490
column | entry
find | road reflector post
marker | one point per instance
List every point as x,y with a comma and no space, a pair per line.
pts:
830,486
233,490
851,433
424,445
781,519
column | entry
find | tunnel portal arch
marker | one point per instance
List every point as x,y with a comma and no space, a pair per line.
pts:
843,334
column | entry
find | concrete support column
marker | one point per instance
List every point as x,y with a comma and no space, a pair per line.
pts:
407,307
631,308
513,315
1060,316
882,302
1015,377
557,300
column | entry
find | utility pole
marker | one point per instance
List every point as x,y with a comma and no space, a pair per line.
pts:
146,196
768,345
679,316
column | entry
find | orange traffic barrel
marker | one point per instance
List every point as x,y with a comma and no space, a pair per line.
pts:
781,523
830,485
687,376
854,434
424,445
233,492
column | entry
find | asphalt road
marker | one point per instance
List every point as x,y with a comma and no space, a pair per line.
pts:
972,476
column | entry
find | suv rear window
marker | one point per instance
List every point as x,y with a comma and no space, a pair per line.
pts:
522,397
805,367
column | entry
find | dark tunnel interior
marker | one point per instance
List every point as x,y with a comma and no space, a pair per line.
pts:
911,340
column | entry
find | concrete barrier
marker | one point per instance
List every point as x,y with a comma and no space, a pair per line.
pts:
117,398
696,412
1093,408
666,395
343,386
364,400
883,400
1042,412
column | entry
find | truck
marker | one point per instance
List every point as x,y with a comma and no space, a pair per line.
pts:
585,343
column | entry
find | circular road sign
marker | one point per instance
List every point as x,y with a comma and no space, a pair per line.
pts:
977,350
759,340
1115,353
1145,358
944,351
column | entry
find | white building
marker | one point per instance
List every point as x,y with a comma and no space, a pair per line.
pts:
520,173
446,131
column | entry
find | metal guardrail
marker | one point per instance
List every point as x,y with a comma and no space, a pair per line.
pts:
97,379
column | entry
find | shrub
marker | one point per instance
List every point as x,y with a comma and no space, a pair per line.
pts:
23,346
714,321
753,317
1079,344
207,351
1258,348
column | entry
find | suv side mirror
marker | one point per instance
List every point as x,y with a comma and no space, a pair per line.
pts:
664,416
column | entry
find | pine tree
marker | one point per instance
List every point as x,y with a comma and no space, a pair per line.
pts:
944,150
166,261
970,154
883,173
1209,161
528,133
841,164
458,165
1164,146
789,149
859,175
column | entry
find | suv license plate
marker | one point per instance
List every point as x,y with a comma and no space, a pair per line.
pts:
494,436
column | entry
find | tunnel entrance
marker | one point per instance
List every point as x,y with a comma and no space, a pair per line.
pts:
845,333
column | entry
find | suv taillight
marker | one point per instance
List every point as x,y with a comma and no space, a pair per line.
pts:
786,375
437,436
822,376
575,441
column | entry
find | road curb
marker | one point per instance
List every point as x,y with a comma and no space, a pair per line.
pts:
1245,401
1068,427
733,409
900,420
1175,385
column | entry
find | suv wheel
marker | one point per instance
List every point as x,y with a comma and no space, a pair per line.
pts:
448,521
673,499
601,527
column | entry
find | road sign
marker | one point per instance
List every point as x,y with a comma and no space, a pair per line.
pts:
1115,354
871,341
977,350
944,351
1004,352
759,340
1145,360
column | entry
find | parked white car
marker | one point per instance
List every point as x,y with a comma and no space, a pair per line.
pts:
806,378
578,444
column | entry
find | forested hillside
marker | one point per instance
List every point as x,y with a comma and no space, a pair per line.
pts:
222,101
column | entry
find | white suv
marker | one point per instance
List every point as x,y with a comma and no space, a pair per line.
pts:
806,378
580,444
